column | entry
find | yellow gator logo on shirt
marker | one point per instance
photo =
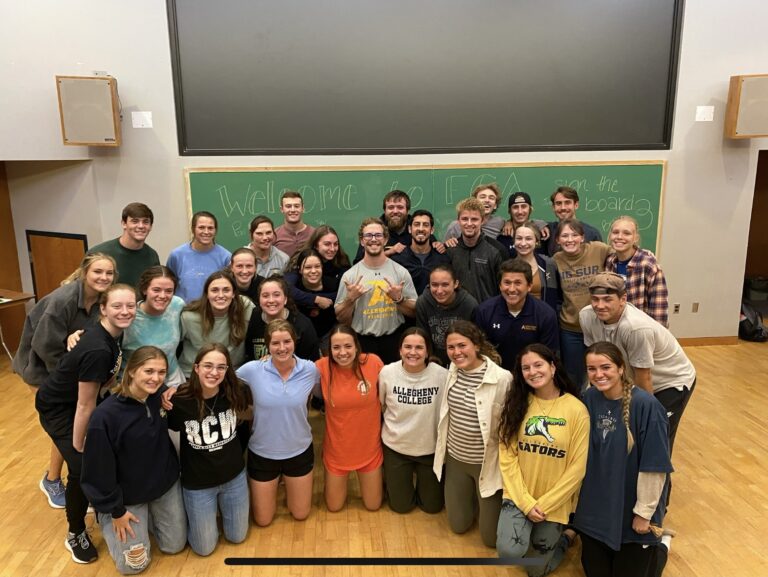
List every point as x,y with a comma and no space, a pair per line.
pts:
538,425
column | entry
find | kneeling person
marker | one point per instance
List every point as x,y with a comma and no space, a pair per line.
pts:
514,319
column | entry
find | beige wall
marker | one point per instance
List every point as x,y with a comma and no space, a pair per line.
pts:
709,186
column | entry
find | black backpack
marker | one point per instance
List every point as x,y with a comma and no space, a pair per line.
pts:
751,324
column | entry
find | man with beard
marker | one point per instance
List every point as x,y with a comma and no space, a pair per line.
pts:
396,205
420,258
376,295
514,319
476,258
565,203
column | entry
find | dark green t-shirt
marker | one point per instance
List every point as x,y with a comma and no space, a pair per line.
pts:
130,263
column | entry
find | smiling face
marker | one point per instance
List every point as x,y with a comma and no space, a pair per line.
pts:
272,300
148,378
220,294
608,307
525,240
343,349
489,199
292,209
514,288
281,346
159,294
119,310
519,212
244,269
442,287
211,371
204,232
462,352
538,374
327,246
421,229
396,213
413,353
263,236
373,239
605,375
470,222
564,207
570,241
311,271
136,229
623,238
100,275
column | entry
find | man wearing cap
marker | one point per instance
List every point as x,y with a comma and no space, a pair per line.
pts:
515,319
565,203
520,210
658,362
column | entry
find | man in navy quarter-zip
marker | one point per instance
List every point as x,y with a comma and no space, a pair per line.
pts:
515,319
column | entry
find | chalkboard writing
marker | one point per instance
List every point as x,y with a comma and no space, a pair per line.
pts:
343,197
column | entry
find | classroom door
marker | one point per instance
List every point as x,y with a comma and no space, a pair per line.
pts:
52,257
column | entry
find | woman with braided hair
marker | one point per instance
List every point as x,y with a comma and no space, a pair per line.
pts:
623,496
544,434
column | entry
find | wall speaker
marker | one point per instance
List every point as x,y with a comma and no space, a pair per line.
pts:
746,115
90,110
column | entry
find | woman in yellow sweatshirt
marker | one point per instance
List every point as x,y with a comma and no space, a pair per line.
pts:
544,432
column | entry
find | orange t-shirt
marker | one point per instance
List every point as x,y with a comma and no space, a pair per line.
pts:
352,418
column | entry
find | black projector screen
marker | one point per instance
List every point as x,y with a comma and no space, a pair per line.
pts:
399,76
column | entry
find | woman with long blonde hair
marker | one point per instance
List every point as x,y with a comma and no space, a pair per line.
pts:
71,307
644,279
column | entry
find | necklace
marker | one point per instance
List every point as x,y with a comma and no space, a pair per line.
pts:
541,409
212,409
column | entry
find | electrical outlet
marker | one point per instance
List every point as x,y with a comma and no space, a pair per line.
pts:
695,307
676,309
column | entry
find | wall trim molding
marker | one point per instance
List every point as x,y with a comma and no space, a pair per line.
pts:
708,341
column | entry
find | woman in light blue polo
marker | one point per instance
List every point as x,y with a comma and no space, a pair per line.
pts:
281,439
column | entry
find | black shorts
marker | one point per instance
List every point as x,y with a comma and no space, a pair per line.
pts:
263,469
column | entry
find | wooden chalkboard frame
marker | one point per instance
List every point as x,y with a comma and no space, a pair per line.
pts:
502,210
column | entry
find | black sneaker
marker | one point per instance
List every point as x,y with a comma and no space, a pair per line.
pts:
81,547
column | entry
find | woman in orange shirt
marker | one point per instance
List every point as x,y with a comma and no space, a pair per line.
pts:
349,383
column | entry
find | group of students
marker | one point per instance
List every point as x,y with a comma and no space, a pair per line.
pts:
446,423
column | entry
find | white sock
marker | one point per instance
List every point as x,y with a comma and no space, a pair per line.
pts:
666,540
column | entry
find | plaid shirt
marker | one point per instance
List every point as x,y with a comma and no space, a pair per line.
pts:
646,286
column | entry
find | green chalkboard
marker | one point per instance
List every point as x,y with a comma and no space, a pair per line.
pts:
342,197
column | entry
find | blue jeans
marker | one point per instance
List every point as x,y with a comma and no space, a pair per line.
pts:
518,537
572,351
164,517
201,504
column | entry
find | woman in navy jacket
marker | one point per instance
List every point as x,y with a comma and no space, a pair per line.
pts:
130,468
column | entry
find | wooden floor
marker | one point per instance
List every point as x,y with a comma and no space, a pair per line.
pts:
719,505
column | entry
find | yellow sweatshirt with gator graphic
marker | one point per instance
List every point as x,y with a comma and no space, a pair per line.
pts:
545,464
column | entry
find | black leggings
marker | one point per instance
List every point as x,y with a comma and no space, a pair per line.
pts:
58,421
633,560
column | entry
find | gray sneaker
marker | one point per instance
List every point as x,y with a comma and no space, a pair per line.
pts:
54,491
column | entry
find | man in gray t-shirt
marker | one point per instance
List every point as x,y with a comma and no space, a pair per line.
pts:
376,294
659,364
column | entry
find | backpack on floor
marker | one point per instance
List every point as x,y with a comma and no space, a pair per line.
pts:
751,324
